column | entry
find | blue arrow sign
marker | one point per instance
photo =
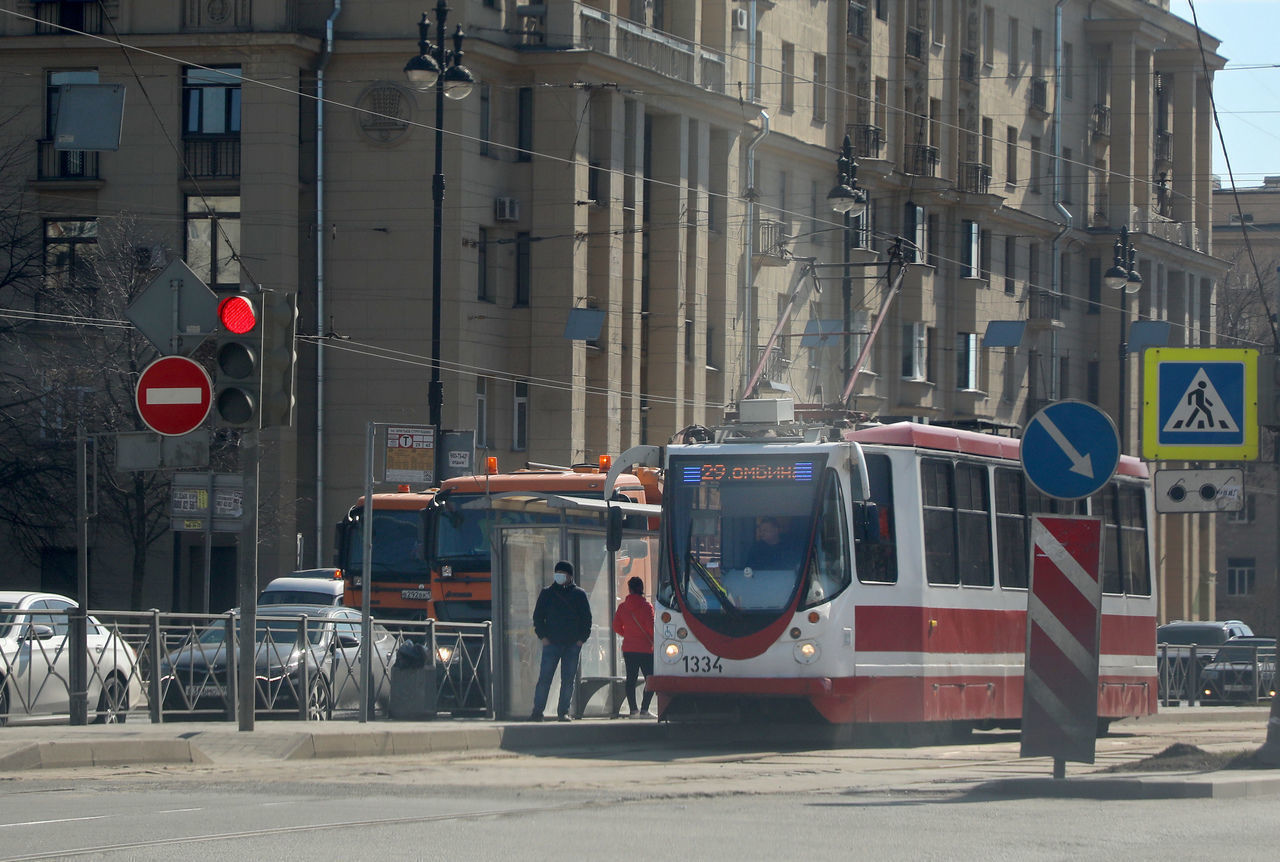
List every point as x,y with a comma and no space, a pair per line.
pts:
1070,449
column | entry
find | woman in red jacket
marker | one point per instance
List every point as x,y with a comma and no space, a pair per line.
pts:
634,621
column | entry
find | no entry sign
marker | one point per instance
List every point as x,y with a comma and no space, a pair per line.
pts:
173,395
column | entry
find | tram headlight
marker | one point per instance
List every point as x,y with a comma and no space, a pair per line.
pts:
671,651
806,652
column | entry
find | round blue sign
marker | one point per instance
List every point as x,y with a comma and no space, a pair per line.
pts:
1070,449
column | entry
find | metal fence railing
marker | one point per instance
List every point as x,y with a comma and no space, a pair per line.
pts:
168,666
1216,673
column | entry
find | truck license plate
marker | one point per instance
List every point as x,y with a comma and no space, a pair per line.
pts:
419,595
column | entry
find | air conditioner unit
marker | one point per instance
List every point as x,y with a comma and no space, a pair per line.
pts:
741,20
506,209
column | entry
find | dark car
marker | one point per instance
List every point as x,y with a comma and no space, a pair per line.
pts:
325,669
1177,641
1243,670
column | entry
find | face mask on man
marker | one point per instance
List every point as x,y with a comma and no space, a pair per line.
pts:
560,578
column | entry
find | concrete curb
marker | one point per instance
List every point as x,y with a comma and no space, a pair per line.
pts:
102,752
1236,784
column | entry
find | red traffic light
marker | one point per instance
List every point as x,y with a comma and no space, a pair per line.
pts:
236,314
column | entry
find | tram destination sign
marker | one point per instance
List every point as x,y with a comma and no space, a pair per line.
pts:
787,470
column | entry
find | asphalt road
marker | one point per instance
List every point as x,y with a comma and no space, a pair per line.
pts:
771,798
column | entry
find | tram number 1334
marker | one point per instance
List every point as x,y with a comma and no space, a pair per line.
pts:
702,664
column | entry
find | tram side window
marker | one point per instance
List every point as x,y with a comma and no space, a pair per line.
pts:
938,493
973,525
877,557
1133,541
829,569
1011,528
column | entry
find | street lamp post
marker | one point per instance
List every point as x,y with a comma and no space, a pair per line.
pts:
435,66
850,201
1123,276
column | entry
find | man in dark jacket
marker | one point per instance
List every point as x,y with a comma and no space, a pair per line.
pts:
562,620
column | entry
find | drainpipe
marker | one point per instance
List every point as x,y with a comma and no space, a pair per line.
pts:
326,51
748,312
1056,263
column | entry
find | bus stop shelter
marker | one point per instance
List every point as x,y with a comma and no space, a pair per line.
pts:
523,557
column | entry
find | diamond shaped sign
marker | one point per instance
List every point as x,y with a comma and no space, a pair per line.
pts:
176,312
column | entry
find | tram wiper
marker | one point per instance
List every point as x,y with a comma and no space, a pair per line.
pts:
726,601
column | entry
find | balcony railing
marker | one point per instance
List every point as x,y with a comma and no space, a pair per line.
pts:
771,238
650,49
968,67
857,20
868,140
212,158
55,164
975,177
1101,121
915,43
1043,304
1164,146
921,160
1039,95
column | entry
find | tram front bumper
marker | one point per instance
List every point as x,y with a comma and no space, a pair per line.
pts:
776,686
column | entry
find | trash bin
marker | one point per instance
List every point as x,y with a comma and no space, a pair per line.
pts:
413,684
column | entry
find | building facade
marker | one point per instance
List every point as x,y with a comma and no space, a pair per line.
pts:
668,164
1245,586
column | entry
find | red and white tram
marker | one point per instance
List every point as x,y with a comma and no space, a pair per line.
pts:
881,577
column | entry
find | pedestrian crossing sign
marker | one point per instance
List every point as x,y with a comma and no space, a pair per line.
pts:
1200,404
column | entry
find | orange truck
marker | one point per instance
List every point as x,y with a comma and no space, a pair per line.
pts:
400,581
459,534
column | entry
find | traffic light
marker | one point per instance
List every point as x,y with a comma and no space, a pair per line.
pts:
279,358
237,360
1269,391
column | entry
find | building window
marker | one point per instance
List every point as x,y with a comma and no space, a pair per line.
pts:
1013,47
1033,264
984,256
211,101
486,120
1010,264
939,26
1011,156
712,365
1036,166
819,88
524,125
520,415
1068,180
988,36
70,249
1093,381
882,10
1242,572
1064,377
482,413
524,270
213,240
788,76
931,243
56,163
1246,513
1009,380
1064,283
915,229
967,361
1068,67
970,249
915,351
482,266
1095,286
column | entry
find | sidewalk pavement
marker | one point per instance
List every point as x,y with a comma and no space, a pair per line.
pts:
222,743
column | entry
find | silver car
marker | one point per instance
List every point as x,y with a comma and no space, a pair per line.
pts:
35,663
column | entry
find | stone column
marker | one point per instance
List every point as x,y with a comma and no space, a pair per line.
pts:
668,292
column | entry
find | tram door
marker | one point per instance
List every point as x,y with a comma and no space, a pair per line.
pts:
524,558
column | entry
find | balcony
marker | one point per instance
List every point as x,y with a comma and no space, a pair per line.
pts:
771,242
1101,121
650,49
52,164
1044,308
921,160
1164,147
858,21
968,67
975,178
915,43
868,141
1038,97
212,158
1100,216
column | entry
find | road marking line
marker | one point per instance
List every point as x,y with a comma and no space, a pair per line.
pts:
48,822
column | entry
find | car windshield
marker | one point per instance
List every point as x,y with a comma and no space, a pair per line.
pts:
298,597
1246,652
282,632
397,545
1186,635
6,620
463,527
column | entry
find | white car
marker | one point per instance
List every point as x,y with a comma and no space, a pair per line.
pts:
35,663
304,590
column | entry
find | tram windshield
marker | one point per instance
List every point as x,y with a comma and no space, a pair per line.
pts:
740,529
